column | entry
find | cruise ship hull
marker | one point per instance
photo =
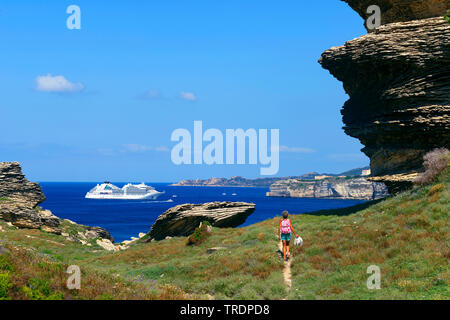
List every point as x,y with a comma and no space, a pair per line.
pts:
152,196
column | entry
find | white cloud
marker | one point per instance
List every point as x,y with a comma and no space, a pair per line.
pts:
296,149
106,151
152,94
135,148
162,149
51,83
189,96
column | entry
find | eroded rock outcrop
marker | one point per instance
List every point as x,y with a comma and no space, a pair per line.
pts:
357,188
19,200
401,10
398,80
182,220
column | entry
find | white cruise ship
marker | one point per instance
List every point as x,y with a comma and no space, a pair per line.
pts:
130,191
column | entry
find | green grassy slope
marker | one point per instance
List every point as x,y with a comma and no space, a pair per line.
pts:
406,236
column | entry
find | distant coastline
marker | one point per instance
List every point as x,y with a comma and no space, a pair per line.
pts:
352,184
238,181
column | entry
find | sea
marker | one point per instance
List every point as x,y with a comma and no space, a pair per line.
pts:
127,218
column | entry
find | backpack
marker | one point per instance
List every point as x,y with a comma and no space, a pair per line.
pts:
285,226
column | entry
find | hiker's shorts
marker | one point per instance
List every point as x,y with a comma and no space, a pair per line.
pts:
285,237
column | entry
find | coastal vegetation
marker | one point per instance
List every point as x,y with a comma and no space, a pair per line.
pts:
200,234
406,236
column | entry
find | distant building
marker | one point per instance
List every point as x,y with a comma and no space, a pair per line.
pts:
365,172
321,177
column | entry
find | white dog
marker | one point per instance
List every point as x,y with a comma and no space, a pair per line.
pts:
298,241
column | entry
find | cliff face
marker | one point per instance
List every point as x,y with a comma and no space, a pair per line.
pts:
15,186
401,10
357,188
398,80
19,199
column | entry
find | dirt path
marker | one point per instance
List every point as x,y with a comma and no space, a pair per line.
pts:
286,270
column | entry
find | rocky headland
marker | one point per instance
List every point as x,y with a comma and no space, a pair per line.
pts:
238,181
19,206
334,188
398,80
182,220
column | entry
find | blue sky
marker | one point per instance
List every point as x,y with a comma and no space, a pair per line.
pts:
138,70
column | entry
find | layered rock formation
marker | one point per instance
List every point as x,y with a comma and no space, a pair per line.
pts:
401,10
19,200
183,219
398,80
357,188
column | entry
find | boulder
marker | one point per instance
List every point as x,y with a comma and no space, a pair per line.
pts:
214,249
106,244
98,232
183,219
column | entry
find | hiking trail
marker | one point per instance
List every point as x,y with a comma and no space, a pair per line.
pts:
286,269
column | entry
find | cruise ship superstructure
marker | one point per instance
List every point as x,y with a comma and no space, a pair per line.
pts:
129,191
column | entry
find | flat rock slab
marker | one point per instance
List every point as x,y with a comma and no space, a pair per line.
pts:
183,219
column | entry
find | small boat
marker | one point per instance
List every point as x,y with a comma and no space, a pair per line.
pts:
130,191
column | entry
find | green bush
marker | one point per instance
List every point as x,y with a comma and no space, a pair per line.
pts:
5,264
200,234
5,284
39,289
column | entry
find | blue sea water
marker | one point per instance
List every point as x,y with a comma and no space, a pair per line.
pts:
126,218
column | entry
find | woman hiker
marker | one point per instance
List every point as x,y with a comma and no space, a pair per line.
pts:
284,233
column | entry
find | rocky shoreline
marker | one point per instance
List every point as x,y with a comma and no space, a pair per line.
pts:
19,208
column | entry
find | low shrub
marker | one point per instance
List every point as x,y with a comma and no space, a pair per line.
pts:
436,188
5,284
434,163
200,234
